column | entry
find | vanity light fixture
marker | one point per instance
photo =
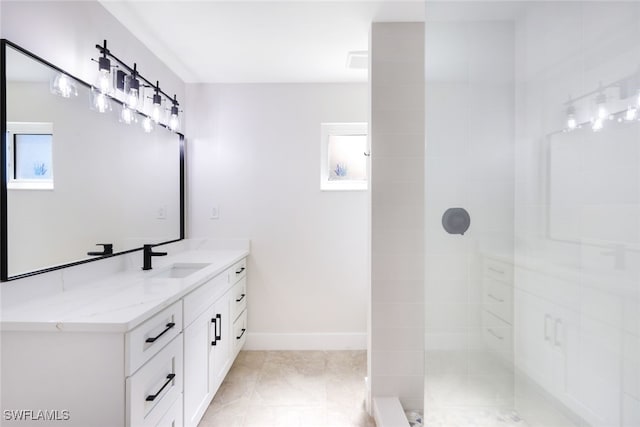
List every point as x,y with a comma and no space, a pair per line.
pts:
127,89
64,86
157,104
174,119
133,89
104,79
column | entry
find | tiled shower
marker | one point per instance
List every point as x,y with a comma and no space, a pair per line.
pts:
530,121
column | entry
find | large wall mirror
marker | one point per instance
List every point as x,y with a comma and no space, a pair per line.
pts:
73,178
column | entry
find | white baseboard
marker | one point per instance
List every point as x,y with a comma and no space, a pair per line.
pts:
344,341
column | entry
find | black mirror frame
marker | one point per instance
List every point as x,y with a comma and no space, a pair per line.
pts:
4,246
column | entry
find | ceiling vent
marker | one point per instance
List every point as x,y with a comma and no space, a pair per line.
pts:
358,60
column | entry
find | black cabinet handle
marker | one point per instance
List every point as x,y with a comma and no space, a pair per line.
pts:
169,326
240,336
152,397
241,298
215,331
219,325
240,271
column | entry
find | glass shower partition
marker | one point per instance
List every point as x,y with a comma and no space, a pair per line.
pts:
532,317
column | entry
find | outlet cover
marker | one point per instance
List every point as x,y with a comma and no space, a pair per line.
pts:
214,213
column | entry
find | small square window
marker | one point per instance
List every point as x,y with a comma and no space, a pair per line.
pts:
29,156
344,164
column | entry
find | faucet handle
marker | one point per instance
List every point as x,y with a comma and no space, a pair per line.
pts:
107,249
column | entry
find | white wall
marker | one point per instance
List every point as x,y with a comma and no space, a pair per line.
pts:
254,153
397,212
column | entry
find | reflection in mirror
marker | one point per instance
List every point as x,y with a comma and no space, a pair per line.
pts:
77,178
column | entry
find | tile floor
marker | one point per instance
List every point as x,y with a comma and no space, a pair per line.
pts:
292,389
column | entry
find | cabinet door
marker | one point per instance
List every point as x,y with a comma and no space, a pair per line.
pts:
534,350
220,328
197,391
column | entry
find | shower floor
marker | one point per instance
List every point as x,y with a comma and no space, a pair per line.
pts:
473,418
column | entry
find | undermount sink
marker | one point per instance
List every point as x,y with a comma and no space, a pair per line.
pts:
179,270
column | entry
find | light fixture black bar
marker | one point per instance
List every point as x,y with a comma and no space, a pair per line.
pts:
131,70
4,258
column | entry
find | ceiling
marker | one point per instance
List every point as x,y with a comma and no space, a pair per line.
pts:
259,41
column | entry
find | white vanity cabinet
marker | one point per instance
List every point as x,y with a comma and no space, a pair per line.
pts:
130,369
210,342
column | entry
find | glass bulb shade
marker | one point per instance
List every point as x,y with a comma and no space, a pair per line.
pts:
64,86
100,102
147,124
104,79
631,113
127,115
174,122
156,113
133,98
572,123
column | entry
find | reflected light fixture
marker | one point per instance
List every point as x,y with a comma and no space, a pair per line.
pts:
147,124
100,101
104,79
572,123
127,115
601,106
64,86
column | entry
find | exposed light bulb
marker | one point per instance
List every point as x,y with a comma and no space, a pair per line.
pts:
132,98
104,80
631,113
572,123
147,124
156,112
174,120
64,86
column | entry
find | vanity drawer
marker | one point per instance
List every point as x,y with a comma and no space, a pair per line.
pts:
239,333
238,298
238,271
497,334
149,338
152,391
173,417
498,299
498,270
201,298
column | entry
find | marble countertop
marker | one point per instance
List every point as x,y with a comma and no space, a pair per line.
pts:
118,302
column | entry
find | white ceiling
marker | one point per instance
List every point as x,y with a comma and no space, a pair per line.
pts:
259,41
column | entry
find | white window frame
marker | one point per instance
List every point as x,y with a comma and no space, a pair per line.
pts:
30,128
331,129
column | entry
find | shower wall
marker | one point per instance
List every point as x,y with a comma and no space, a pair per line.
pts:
577,215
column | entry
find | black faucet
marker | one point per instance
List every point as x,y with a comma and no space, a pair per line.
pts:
147,253
107,249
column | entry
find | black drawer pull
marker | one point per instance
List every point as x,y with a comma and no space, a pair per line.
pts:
215,331
219,325
169,326
240,336
240,271
241,297
152,397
